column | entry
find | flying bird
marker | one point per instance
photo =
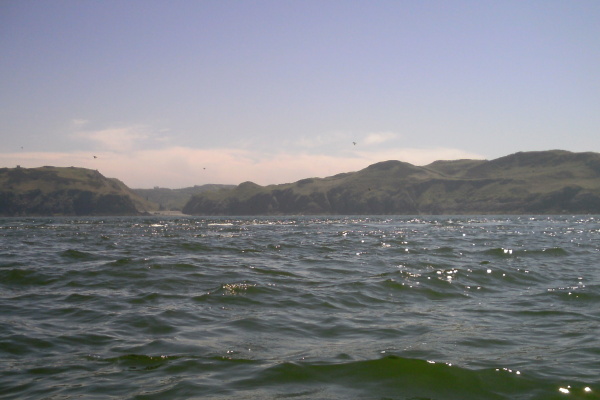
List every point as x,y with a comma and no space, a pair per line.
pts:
354,143
95,157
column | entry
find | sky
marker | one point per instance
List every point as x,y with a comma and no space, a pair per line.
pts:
181,93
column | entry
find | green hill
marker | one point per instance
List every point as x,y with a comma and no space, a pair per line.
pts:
546,182
175,199
66,191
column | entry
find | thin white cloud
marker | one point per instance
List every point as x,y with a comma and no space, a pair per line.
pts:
79,123
118,139
344,141
115,139
324,140
379,137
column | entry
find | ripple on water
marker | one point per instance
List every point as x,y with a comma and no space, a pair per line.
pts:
306,307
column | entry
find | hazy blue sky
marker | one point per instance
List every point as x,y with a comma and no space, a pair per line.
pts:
177,93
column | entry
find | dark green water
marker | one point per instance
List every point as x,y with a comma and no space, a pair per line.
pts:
303,308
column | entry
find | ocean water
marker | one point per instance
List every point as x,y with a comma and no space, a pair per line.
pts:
478,307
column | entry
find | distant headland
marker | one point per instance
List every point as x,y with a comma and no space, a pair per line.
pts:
541,182
49,191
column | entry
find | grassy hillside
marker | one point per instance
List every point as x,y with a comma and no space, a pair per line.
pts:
530,182
66,191
175,199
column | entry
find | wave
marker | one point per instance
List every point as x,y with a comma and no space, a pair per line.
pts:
305,308
508,252
397,377
389,377
77,255
25,277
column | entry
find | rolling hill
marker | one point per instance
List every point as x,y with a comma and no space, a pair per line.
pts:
66,191
545,182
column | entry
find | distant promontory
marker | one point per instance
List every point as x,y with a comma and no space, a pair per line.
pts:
544,182
50,191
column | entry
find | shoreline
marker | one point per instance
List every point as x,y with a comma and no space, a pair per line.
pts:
168,213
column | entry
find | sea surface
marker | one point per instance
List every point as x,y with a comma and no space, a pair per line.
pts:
475,307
